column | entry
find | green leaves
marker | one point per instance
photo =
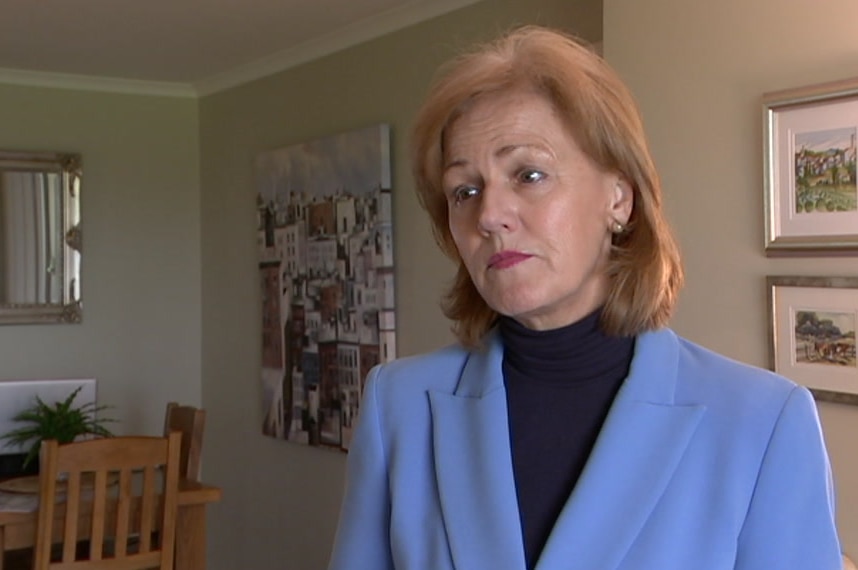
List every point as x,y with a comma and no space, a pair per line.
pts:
60,421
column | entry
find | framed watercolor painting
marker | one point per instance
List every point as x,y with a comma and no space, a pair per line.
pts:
811,191
812,333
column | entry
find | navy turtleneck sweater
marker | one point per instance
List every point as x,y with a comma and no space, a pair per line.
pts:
560,384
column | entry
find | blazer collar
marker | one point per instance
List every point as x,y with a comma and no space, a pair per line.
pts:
625,471
473,466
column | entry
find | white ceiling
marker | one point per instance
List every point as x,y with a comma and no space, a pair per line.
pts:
186,47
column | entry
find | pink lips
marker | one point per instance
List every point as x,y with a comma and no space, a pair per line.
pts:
506,259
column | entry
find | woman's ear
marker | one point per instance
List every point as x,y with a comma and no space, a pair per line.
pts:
622,201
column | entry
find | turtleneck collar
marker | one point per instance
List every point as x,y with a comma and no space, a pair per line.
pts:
574,353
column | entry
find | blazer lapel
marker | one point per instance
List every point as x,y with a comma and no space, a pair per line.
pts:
639,447
473,467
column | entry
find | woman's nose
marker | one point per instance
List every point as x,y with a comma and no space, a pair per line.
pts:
497,210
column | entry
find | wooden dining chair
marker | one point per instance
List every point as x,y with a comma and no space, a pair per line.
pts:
190,421
109,493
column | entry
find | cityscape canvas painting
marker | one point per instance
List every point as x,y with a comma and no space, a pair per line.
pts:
325,260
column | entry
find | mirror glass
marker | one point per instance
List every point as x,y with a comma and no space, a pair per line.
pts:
40,237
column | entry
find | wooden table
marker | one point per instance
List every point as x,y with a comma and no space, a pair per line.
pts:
18,530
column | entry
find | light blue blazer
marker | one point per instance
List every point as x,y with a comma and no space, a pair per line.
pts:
702,463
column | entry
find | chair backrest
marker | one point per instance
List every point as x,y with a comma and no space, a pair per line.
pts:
108,491
190,421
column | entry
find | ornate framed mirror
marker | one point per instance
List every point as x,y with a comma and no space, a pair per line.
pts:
40,237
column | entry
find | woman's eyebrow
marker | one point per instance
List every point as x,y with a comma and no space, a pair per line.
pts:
455,163
502,151
511,148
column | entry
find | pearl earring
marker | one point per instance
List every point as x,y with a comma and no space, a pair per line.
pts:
617,227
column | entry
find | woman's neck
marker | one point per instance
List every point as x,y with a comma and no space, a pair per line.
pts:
576,352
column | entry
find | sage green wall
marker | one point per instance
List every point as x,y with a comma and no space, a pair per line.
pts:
140,335
281,500
698,70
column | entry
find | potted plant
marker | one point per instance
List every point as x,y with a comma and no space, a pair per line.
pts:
62,421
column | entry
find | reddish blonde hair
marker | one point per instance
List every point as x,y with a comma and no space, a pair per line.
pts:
644,267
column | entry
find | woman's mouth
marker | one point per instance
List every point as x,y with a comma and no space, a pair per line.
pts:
506,259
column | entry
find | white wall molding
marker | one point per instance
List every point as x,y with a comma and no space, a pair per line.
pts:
351,35
94,83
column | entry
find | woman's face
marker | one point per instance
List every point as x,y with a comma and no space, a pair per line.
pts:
529,212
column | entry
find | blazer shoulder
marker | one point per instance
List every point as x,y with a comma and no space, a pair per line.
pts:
707,372
436,370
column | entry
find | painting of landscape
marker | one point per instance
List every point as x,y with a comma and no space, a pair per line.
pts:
825,338
825,171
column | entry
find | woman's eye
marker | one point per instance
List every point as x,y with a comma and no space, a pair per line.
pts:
462,193
530,175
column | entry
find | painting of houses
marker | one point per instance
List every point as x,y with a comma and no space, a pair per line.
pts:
326,272
825,179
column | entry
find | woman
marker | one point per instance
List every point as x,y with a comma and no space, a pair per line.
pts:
569,428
